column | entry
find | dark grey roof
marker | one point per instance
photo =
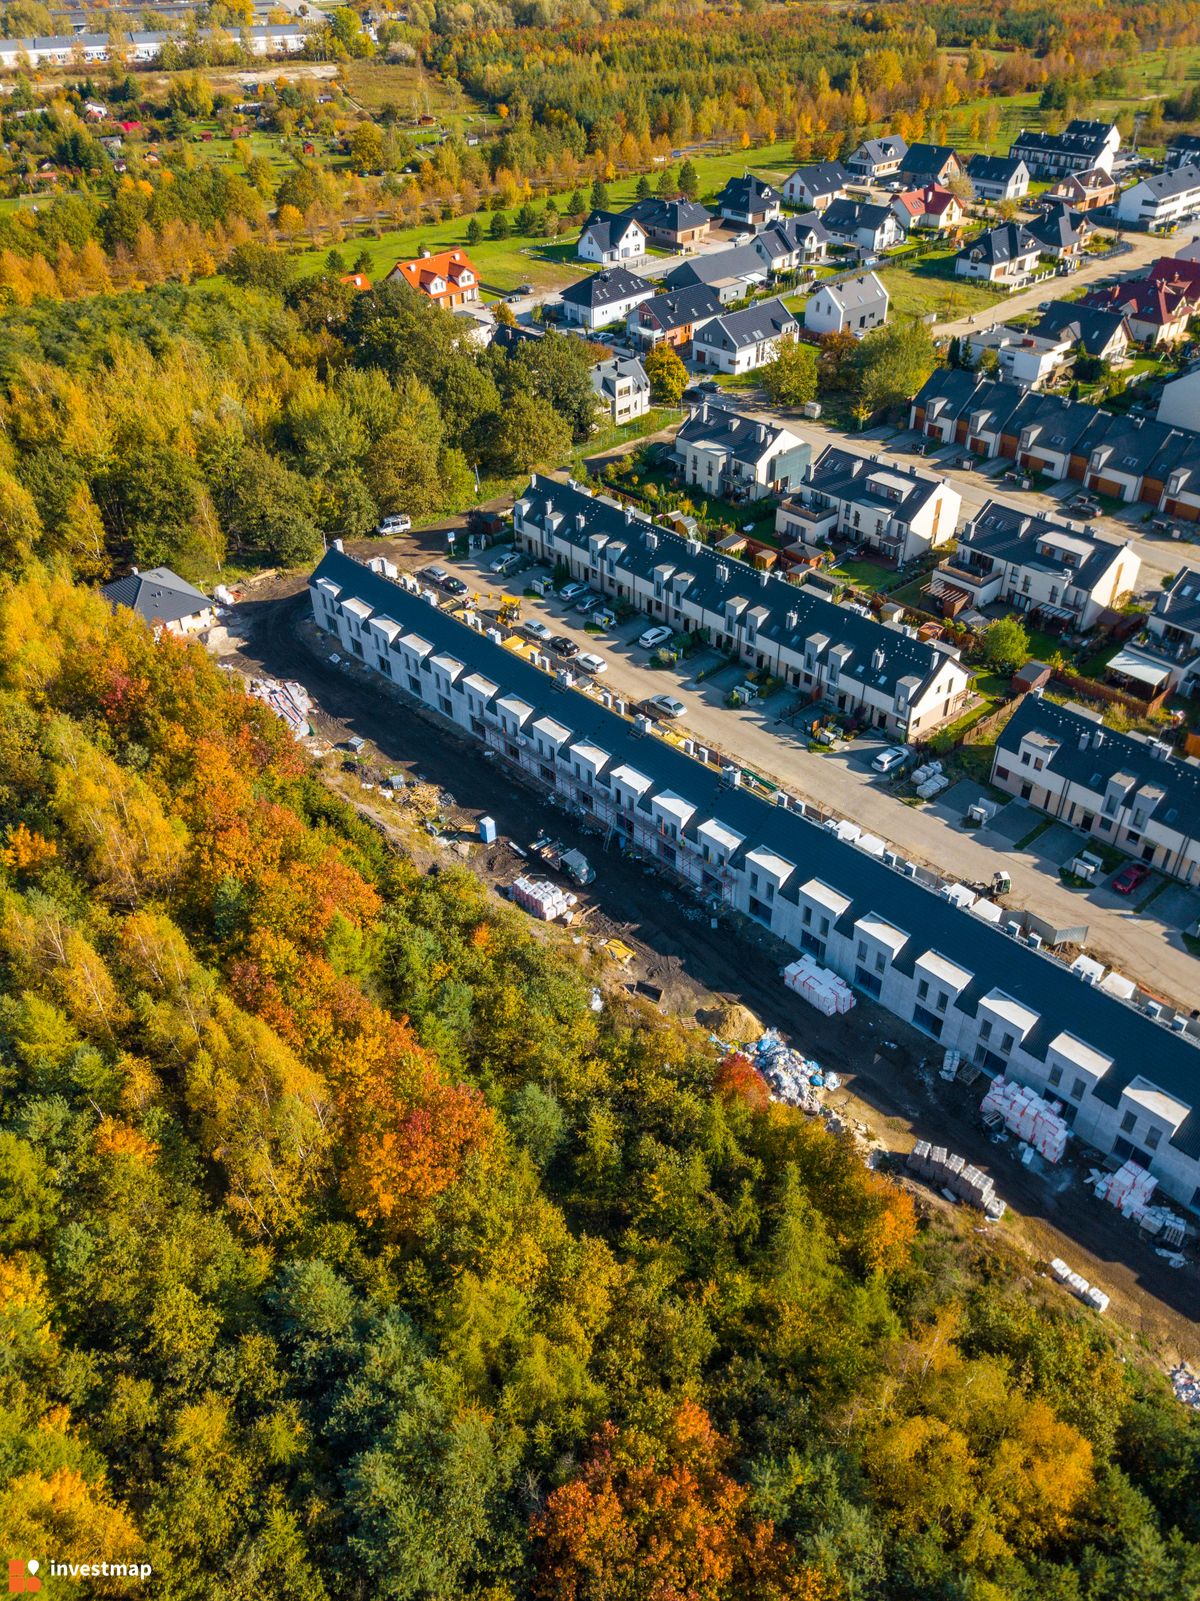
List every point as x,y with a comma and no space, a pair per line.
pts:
1007,243
607,228
766,319
822,177
605,375
679,307
739,261
931,159
160,596
671,216
1005,533
606,287
791,234
1180,605
1165,185
993,169
881,656
1171,787
746,439
1093,327
748,194
1083,128
1089,145
1059,228
899,491
889,148
509,337
1136,1045
844,217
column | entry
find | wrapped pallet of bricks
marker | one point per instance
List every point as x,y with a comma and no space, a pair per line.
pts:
826,991
918,1157
1028,1116
541,899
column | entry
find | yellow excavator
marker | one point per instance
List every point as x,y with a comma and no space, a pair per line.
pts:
510,609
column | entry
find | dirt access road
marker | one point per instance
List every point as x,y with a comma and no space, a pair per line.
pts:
890,1088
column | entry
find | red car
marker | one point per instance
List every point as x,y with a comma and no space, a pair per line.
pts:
1128,879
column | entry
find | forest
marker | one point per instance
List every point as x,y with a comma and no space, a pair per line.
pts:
349,1251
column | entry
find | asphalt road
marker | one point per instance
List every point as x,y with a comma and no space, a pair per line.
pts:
889,1077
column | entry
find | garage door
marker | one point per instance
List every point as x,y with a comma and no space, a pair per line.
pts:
1107,486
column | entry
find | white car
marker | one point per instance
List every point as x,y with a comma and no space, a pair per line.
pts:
537,630
888,760
667,705
654,637
591,663
398,524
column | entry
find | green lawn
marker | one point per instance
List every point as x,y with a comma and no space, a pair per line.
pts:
547,264
927,288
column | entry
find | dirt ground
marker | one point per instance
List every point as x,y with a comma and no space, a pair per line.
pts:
891,1095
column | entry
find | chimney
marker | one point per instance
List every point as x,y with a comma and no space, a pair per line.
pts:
425,252
722,572
763,576
580,520
793,621
1085,740
877,659
337,545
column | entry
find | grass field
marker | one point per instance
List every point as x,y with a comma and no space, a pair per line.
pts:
416,92
547,264
928,288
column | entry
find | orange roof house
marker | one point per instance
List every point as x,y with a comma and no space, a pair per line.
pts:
357,280
449,278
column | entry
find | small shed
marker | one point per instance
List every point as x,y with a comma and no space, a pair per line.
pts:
1034,675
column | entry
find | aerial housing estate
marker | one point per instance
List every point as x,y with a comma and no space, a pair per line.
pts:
1127,1084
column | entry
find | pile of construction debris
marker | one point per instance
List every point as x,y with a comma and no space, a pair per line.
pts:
793,1077
1186,1385
956,1177
288,700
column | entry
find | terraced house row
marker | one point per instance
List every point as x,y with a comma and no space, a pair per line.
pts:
1131,459
1125,1081
881,674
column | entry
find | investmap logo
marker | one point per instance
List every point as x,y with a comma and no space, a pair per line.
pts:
24,1576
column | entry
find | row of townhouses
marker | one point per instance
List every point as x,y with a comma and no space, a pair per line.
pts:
144,45
882,675
1126,1083
1130,459
900,513
1129,792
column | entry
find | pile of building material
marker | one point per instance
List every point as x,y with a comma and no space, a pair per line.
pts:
1186,1385
543,900
930,780
953,1173
1130,1189
793,1077
951,1063
287,700
826,991
1028,1116
1079,1286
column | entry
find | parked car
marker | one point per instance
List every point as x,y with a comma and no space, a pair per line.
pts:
397,524
434,575
667,705
888,760
454,586
591,663
1128,879
570,592
507,564
564,647
535,629
654,637
587,603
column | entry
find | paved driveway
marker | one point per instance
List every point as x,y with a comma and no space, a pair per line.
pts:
761,738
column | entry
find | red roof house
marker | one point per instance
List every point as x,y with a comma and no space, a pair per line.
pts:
449,278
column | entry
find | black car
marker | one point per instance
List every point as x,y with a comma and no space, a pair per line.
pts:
564,647
454,586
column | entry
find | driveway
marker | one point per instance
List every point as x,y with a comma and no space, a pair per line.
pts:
760,737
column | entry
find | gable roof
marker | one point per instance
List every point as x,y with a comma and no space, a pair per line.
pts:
822,177
1008,534
607,229
1180,604
746,439
1033,980
677,308
889,147
160,596
748,193
669,216
900,491
1079,144
1059,228
933,159
930,201
791,234
848,216
1009,242
994,169
606,287
1092,327
766,319
1166,185
852,294
717,266
606,375
1155,303
449,265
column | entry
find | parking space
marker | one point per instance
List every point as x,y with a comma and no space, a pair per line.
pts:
1178,907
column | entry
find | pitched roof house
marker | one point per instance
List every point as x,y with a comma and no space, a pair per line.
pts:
878,158
998,177
1061,233
867,226
610,237
1005,255
816,185
448,278
673,316
931,209
1157,313
163,599
622,388
731,273
854,306
745,458
740,341
895,511
750,201
926,164
1084,191
676,224
792,242
604,297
